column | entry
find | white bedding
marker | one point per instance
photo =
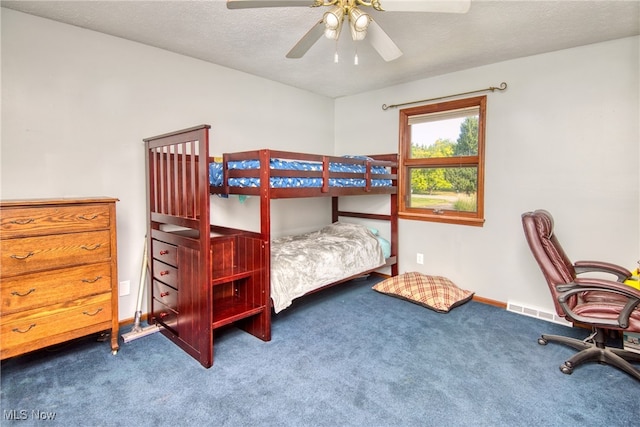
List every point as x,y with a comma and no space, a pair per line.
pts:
304,262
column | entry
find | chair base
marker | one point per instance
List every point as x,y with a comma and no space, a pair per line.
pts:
595,350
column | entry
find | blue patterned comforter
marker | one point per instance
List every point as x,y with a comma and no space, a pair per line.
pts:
216,174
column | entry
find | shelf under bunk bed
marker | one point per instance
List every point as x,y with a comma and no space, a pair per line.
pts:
237,260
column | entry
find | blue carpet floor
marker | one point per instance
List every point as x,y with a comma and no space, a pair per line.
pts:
345,357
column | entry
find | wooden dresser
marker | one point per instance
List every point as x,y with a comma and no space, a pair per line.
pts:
58,272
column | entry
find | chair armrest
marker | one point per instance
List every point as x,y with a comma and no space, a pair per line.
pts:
603,267
578,286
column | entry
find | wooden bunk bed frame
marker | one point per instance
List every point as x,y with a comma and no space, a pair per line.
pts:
205,277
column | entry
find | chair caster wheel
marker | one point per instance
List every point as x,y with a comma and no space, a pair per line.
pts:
542,341
566,369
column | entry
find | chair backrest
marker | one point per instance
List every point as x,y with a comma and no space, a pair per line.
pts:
556,266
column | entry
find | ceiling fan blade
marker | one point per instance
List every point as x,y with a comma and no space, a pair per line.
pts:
249,4
308,40
445,6
382,42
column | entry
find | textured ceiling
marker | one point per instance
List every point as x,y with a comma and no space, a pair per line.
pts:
256,40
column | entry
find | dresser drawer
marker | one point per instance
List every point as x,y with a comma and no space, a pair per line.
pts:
31,254
165,252
166,295
165,315
165,273
33,221
56,323
50,287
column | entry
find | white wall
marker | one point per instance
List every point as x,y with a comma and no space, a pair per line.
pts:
564,136
76,105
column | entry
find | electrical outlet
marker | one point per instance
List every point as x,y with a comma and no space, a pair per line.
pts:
124,288
420,258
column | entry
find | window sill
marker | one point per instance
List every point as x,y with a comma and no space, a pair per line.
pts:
443,218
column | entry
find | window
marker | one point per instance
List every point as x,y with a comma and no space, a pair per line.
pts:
441,173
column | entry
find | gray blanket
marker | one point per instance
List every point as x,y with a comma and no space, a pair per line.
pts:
304,262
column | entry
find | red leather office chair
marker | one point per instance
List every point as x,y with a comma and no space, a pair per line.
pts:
602,304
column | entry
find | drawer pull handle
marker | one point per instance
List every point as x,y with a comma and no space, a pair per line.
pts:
164,273
91,280
22,221
30,254
33,325
91,248
164,252
92,314
88,218
18,294
164,294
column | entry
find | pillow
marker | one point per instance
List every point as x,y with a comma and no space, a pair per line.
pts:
385,245
348,156
435,292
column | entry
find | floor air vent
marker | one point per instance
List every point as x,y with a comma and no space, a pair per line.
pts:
537,313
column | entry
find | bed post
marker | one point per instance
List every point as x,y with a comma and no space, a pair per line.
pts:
265,213
265,194
394,232
334,209
203,338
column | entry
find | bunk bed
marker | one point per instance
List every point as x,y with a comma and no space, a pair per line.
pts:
204,276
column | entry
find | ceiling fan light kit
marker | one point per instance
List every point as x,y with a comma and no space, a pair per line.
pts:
333,18
333,23
359,22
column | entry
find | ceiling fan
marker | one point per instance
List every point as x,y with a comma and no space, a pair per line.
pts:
360,23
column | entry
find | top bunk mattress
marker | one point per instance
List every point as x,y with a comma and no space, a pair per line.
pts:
216,174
